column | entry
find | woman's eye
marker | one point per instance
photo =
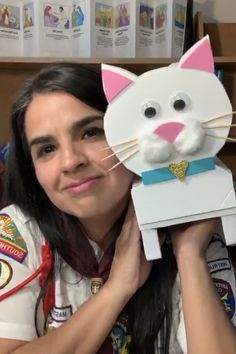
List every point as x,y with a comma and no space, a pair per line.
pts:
92,132
45,150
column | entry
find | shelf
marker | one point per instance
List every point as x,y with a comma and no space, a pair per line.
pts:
138,65
13,63
225,60
48,60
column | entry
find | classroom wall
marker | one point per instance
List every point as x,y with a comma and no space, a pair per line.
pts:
217,10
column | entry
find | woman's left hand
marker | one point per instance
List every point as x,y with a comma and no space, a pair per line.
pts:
207,326
193,238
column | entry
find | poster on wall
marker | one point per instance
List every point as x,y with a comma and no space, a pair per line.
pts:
46,28
10,28
124,28
170,22
80,28
96,28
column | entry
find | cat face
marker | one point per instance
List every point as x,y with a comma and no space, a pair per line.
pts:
161,116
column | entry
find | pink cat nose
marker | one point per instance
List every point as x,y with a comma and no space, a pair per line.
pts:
169,131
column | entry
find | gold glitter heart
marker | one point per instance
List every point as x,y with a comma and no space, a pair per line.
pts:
179,169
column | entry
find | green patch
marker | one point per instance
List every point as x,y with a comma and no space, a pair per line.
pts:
12,243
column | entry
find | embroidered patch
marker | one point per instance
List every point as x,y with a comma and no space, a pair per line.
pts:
217,238
96,284
12,243
219,265
225,292
49,324
49,329
61,314
119,336
5,273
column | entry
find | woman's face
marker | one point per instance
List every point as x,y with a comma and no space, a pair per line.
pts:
66,140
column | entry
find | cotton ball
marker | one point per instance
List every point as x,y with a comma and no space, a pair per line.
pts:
155,149
191,138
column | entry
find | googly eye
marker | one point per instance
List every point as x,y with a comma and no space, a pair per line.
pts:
150,109
180,101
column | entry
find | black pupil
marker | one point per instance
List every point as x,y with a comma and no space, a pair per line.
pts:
179,105
150,112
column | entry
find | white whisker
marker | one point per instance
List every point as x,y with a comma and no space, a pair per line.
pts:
119,144
218,117
220,126
124,159
121,150
221,137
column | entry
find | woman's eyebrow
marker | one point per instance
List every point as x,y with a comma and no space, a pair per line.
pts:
75,127
40,140
78,125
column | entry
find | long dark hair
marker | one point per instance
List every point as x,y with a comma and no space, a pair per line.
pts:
149,311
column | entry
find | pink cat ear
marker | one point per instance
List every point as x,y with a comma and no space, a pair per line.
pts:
199,57
115,80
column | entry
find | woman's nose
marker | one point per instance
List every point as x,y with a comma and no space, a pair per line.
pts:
72,157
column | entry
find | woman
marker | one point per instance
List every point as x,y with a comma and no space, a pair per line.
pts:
63,196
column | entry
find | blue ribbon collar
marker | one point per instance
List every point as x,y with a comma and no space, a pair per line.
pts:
178,170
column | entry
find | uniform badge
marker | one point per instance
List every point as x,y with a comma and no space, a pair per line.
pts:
5,273
219,265
218,238
225,292
56,316
119,336
12,243
61,314
96,284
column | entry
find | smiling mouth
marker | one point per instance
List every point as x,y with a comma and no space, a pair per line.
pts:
83,186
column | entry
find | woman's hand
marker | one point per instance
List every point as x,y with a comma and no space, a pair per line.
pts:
193,238
130,269
201,305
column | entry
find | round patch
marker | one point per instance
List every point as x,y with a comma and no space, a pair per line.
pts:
5,273
119,336
225,292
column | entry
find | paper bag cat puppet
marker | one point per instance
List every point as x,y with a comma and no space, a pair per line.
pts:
167,126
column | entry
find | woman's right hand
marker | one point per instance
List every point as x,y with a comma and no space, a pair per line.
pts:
130,269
